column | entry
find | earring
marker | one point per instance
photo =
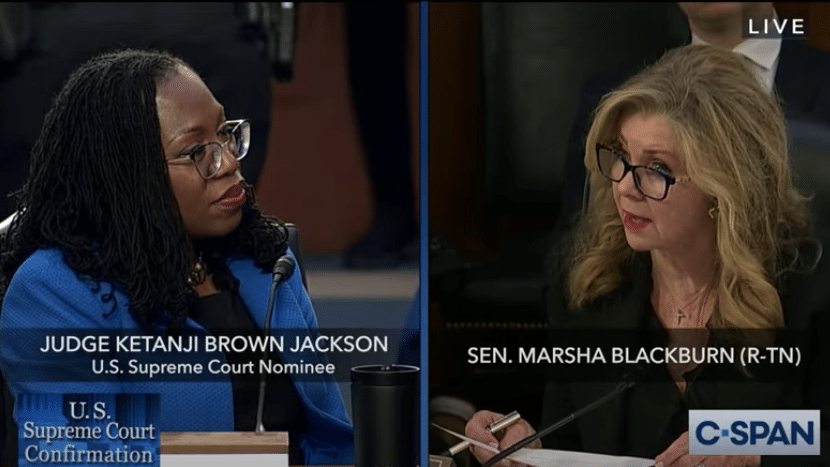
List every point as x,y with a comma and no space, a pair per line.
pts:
198,272
713,211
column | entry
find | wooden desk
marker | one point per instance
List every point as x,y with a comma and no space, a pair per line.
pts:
235,442
224,448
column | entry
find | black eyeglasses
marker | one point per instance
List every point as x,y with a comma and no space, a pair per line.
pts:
652,183
235,136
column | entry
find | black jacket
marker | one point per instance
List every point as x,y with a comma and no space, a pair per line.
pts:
648,417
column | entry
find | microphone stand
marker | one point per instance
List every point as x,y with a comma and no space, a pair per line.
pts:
282,270
273,25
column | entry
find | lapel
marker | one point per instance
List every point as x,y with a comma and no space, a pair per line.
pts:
601,430
288,318
254,287
293,316
613,427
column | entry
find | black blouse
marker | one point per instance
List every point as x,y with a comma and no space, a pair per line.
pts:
648,417
224,313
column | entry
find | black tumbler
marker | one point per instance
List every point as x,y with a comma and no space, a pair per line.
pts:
385,412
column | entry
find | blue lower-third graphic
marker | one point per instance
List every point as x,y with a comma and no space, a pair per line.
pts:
88,429
755,432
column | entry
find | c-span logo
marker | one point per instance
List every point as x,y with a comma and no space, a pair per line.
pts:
754,432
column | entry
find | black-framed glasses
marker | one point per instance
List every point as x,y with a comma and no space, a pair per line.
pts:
651,182
235,136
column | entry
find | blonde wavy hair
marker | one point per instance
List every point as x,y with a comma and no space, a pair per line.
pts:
732,138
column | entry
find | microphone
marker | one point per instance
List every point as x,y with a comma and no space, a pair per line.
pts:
273,25
283,41
283,268
628,380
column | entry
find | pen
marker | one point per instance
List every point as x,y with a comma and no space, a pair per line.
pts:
498,425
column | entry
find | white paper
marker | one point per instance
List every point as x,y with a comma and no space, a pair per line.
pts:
553,458
224,460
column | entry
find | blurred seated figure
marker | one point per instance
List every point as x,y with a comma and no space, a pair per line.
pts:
810,154
377,42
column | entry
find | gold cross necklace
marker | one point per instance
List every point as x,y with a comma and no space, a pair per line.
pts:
681,315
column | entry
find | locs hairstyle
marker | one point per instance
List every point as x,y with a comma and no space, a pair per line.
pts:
98,190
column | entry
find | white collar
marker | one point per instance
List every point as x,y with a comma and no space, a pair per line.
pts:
762,52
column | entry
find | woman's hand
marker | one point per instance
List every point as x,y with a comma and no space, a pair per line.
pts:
677,455
477,429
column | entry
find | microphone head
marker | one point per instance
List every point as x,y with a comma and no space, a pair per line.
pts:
284,266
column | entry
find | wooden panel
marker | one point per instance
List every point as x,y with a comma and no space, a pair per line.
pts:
236,442
455,151
315,171
817,15
820,25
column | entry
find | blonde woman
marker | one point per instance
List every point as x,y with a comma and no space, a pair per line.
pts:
694,223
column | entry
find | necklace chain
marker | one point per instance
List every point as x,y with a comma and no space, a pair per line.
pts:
696,297
684,311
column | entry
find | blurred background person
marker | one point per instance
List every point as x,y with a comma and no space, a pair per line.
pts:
694,224
377,41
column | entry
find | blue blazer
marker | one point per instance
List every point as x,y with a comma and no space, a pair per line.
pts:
45,293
